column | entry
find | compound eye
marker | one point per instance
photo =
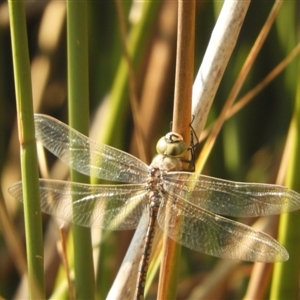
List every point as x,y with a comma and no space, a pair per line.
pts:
172,145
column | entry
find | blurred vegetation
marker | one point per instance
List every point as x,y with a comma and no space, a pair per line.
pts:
249,147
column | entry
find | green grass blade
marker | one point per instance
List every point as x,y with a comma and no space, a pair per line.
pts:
33,224
285,282
79,119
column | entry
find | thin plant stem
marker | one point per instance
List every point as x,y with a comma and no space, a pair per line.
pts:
181,122
65,259
29,167
286,275
77,39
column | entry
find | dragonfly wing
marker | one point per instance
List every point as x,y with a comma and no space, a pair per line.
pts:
203,231
232,198
103,206
88,156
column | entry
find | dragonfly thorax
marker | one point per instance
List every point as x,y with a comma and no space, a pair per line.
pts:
155,180
158,169
166,163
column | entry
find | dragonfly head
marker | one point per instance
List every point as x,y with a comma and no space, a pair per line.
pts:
171,145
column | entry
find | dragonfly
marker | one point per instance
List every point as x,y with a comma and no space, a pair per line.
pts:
188,207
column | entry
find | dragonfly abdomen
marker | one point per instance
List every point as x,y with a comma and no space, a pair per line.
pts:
153,206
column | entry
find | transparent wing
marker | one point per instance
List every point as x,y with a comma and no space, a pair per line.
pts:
103,206
87,156
232,198
203,231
